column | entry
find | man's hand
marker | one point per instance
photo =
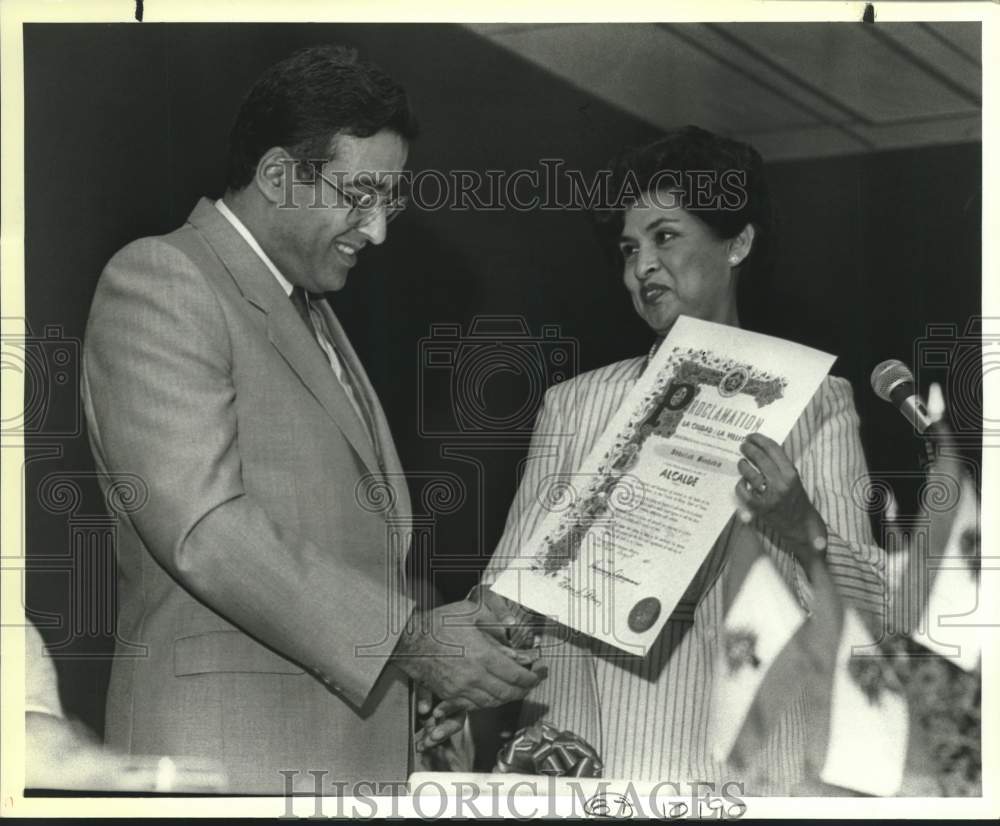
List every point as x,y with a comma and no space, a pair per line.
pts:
457,653
517,624
516,627
447,720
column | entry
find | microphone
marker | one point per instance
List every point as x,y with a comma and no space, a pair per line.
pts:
892,381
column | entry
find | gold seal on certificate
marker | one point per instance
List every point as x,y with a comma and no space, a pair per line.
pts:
643,614
656,490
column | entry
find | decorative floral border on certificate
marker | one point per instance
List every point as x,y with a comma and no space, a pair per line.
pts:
660,411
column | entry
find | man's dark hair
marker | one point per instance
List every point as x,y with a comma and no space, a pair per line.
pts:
686,152
303,102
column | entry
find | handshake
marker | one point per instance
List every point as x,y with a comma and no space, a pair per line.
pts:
471,654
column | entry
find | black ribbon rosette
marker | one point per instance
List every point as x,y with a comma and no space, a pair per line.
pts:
543,749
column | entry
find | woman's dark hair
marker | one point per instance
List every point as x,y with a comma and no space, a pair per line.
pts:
304,101
719,180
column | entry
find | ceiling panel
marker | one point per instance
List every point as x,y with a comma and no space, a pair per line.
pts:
648,71
966,38
938,56
850,63
795,90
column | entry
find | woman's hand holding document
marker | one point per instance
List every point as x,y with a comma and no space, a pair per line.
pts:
771,488
614,555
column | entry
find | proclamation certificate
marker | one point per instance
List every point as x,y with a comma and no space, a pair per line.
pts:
621,544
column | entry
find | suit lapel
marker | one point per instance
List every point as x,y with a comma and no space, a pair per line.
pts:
298,347
391,465
285,329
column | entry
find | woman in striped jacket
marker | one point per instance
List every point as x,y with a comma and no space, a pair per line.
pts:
686,242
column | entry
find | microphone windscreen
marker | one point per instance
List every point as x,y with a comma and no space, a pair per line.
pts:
887,375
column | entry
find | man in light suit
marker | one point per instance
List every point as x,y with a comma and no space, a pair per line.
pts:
264,572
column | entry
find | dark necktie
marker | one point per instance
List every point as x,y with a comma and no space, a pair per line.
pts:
300,300
301,303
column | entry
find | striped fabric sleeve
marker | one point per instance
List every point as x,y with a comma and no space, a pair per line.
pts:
834,472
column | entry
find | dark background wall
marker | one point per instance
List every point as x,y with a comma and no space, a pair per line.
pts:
126,127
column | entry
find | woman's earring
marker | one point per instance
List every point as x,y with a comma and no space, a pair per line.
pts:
734,260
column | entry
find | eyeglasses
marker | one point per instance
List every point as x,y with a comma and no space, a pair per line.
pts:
362,206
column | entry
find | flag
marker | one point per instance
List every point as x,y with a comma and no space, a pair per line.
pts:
948,623
772,653
761,617
869,718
